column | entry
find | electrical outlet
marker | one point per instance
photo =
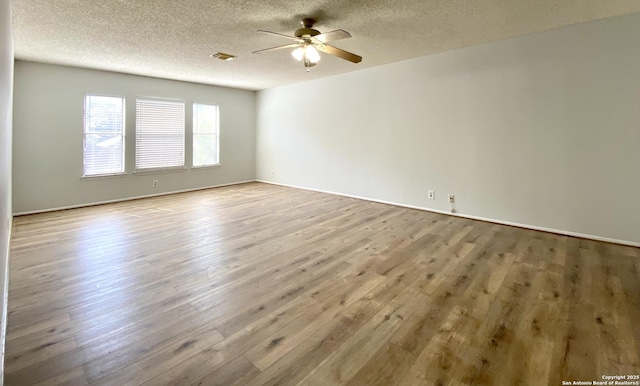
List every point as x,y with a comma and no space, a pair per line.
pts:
432,195
452,198
155,183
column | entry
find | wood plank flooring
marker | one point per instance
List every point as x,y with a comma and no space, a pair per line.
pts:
256,284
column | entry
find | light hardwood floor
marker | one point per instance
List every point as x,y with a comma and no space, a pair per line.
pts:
257,284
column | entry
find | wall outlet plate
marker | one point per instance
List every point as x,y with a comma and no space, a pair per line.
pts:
452,198
432,195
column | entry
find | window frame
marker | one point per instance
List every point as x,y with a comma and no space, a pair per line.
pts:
85,133
216,135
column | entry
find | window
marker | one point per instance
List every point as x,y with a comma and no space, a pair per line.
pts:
103,152
205,135
159,134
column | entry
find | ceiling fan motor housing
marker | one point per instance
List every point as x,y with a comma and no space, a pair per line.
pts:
306,29
301,32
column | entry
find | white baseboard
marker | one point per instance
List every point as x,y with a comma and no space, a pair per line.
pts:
5,302
510,223
127,198
472,217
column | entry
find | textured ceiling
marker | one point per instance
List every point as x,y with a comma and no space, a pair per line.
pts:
173,39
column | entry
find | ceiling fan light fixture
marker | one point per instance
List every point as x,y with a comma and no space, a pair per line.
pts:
298,53
312,54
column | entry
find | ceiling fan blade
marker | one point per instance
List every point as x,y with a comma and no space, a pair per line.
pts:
332,35
281,35
277,48
335,51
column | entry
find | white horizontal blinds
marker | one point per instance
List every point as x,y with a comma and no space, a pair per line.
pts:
159,134
205,134
103,151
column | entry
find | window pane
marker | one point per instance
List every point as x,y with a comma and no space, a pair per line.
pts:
205,135
103,135
159,134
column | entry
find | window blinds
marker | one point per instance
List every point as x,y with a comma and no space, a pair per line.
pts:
160,128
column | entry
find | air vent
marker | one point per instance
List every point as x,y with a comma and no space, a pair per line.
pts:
223,56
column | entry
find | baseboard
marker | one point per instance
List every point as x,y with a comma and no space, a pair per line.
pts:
5,302
127,198
471,217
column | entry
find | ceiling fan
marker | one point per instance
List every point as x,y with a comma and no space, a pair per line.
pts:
309,41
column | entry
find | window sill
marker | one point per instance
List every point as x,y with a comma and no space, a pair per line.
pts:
214,166
101,176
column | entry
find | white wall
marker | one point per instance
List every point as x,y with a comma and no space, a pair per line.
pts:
48,124
6,87
541,130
